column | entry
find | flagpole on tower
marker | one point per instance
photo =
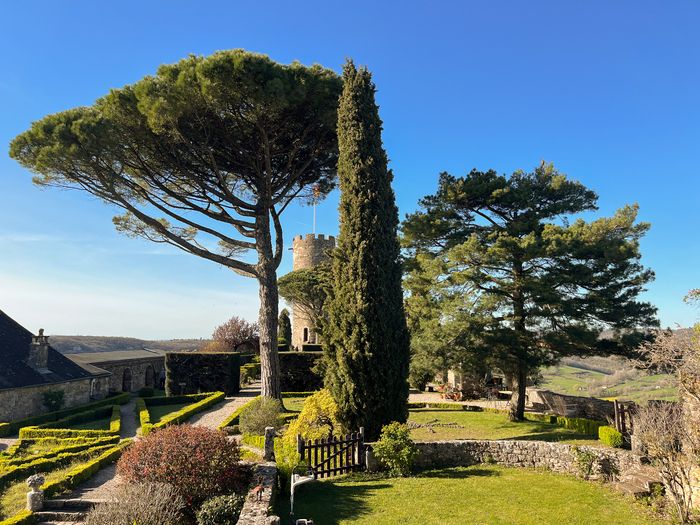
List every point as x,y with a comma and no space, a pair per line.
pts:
317,192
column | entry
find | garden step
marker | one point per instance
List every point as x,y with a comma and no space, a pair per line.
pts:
73,504
49,516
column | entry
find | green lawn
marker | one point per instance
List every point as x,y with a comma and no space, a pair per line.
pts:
157,412
486,425
484,495
293,404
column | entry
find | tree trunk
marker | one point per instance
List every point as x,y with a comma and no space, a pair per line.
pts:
517,400
267,317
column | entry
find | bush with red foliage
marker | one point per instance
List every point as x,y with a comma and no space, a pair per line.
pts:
199,462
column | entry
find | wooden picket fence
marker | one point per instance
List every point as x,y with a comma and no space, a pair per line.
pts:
624,411
333,456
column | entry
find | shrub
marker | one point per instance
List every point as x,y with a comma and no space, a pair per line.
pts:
610,436
232,421
585,461
250,373
147,391
53,400
580,425
142,503
395,449
197,461
221,510
262,412
318,418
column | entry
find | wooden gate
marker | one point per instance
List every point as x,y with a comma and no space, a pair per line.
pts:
332,456
623,417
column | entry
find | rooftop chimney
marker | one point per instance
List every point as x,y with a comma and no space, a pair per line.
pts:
38,357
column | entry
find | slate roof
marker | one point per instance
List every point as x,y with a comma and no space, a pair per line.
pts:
14,349
116,355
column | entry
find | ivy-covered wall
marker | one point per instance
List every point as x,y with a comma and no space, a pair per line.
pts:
195,372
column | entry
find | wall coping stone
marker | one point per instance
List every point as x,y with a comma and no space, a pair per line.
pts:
257,507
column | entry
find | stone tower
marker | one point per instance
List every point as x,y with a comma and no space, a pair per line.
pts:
308,251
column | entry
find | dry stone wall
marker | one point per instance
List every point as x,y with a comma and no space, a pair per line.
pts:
557,457
257,504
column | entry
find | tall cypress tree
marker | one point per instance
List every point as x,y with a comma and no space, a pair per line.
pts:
367,341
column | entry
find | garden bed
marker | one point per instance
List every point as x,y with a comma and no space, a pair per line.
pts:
483,494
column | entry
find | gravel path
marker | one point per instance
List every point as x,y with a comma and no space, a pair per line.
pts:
213,417
6,443
102,484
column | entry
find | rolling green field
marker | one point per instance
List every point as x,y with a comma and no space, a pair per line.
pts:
607,378
478,495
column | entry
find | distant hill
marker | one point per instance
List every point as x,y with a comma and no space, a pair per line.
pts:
607,377
76,344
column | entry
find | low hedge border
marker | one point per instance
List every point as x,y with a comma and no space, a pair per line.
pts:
184,413
171,400
60,450
14,426
44,431
17,472
26,517
84,471
298,394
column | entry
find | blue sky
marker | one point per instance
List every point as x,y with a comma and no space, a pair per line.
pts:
608,91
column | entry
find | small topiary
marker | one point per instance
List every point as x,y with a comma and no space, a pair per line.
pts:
262,412
197,461
610,436
395,449
221,510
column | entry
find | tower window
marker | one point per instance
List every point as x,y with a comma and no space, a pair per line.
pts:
306,335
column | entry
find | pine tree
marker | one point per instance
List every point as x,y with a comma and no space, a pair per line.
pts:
367,341
284,328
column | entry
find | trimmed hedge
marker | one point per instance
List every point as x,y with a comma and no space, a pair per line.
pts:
61,449
171,400
26,517
298,394
8,428
84,471
184,413
296,371
580,425
193,372
18,472
610,436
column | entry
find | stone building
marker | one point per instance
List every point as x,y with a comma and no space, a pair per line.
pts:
30,367
130,370
308,251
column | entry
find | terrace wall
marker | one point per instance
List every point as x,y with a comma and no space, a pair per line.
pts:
557,457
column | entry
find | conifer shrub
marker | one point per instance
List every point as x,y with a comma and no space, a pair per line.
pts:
395,450
318,418
262,412
221,510
197,461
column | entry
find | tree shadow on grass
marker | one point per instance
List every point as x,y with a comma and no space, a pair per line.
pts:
328,503
458,473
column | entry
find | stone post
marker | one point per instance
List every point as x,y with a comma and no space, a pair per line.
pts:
370,461
35,497
269,454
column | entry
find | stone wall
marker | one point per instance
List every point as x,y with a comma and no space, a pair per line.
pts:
134,374
20,403
256,509
308,252
557,457
570,406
